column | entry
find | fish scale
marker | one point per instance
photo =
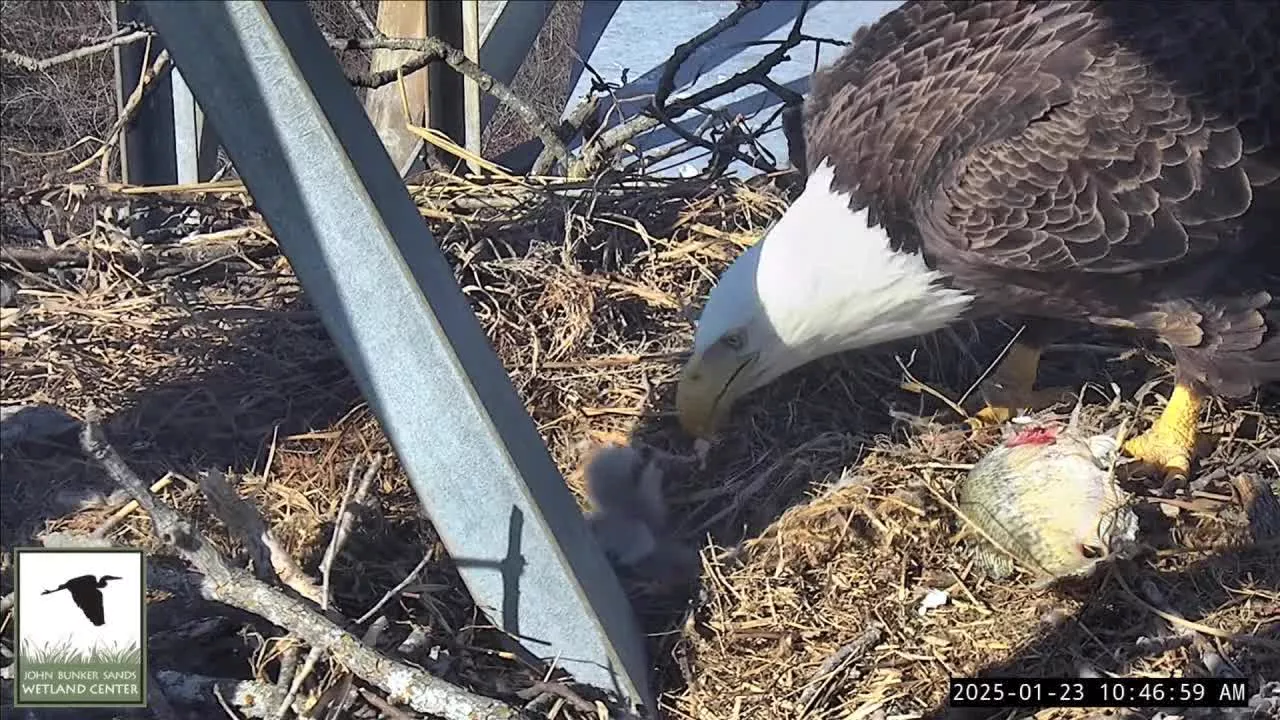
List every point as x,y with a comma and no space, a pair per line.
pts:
1051,503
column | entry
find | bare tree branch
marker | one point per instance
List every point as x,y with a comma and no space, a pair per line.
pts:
434,49
663,113
145,83
577,120
234,586
35,65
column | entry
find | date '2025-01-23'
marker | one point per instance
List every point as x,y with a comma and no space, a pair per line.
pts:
1098,692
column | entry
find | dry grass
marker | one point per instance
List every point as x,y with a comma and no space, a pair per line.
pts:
585,297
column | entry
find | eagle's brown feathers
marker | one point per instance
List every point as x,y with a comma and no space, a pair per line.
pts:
1117,162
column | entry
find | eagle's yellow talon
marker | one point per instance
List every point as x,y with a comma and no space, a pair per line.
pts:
1009,388
990,416
1169,445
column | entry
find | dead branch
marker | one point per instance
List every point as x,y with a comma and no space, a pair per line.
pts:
234,586
145,83
342,528
849,652
566,693
434,49
36,65
385,707
174,260
251,698
577,120
270,558
662,113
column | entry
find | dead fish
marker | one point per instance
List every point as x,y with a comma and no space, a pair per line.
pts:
1048,497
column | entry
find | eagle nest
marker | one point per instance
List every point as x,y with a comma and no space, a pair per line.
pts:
833,584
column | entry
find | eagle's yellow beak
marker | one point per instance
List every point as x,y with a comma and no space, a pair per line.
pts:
709,383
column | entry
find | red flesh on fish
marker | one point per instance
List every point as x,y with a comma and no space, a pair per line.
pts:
1034,436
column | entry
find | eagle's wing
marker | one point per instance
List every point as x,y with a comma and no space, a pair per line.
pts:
1020,135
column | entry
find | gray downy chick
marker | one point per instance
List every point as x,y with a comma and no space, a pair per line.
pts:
628,516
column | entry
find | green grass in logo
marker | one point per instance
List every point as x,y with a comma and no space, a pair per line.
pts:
101,674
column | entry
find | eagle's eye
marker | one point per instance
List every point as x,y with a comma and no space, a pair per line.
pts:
734,340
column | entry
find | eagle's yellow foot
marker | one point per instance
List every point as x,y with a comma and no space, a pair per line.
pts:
1008,389
1169,445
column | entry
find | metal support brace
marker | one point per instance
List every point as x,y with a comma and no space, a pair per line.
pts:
195,144
505,58
293,127
147,155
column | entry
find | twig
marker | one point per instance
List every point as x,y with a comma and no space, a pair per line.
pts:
608,142
226,706
224,583
34,65
127,509
666,83
850,651
393,592
1186,624
385,707
433,49
559,690
358,10
145,83
1222,472
308,665
270,558
342,528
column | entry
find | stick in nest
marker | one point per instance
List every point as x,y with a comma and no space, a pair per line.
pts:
244,520
342,528
433,49
234,586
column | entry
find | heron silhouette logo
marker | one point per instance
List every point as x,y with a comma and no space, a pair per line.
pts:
81,628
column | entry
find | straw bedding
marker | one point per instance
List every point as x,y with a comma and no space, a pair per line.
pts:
822,514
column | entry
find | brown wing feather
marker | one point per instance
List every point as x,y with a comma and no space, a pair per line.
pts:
1058,136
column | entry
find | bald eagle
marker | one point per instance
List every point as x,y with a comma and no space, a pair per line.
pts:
1113,163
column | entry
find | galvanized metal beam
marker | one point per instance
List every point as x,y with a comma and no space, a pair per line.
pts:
596,15
445,104
146,148
387,295
195,144
506,42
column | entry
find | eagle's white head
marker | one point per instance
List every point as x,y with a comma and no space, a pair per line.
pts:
820,282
